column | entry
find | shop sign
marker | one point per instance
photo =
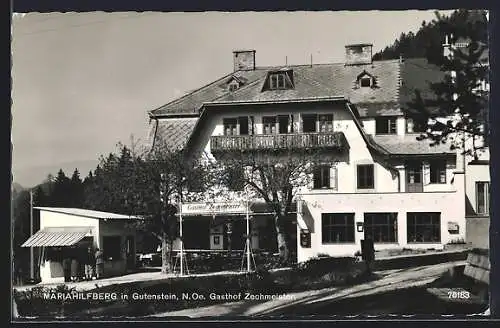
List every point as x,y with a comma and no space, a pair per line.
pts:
213,208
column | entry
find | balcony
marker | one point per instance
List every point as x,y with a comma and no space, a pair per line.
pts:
297,141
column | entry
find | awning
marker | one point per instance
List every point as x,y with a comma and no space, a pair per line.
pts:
57,236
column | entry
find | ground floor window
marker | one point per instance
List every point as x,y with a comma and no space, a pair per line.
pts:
423,227
337,228
381,227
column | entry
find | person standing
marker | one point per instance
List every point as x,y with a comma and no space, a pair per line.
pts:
89,264
74,266
99,263
66,263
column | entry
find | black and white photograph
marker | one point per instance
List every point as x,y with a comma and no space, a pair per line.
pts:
250,165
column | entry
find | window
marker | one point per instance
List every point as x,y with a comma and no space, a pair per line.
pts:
413,126
233,86
242,125
111,247
230,126
269,124
277,81
414,173
423,227
385,125
365,177
326,123
321,177
309,123
482,197
381,227
337,228
281,80
438,171
365,82
285,124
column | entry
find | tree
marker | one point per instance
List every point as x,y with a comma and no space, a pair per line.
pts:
168,177
76,186
276,178
129,182
458,112
61,190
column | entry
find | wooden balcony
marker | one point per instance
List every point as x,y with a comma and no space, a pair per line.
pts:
297,141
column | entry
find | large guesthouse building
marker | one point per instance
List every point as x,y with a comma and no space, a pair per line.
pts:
376,180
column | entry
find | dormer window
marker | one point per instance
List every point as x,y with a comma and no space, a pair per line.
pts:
365,80
280,80
233,86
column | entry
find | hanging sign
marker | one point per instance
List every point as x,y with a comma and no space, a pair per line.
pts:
213,208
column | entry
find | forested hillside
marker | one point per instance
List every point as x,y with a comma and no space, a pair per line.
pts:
428,40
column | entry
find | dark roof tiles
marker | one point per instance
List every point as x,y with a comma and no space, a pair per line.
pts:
409,145
174,133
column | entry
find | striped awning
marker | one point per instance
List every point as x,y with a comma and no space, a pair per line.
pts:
57,236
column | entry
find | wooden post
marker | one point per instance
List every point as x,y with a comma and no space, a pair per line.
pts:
248,237
180,236
32,255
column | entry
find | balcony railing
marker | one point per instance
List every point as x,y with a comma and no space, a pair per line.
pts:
296,141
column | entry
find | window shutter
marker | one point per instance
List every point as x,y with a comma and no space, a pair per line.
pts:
250,125
334,177
426,168
290,123
310,185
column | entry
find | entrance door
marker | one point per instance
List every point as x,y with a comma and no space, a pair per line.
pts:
414,181
130,252
238,239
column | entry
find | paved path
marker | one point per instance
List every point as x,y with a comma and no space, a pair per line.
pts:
391,280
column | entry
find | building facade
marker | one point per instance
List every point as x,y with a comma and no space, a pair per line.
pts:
372,178
66,231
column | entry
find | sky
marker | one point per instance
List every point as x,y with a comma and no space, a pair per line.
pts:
82,82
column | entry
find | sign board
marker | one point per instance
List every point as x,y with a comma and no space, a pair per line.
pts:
213,208
453,227
305,239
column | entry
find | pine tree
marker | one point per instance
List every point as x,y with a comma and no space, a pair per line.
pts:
76,187
459,112
61,195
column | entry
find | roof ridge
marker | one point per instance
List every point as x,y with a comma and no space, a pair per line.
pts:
192,92
325,64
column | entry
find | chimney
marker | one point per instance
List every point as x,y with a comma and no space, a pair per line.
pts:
358,54
244,60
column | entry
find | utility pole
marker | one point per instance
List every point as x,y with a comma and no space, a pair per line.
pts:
32,259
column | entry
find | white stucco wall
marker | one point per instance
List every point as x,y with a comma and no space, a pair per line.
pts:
449,204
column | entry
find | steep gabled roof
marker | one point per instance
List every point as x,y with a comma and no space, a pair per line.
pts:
320,80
